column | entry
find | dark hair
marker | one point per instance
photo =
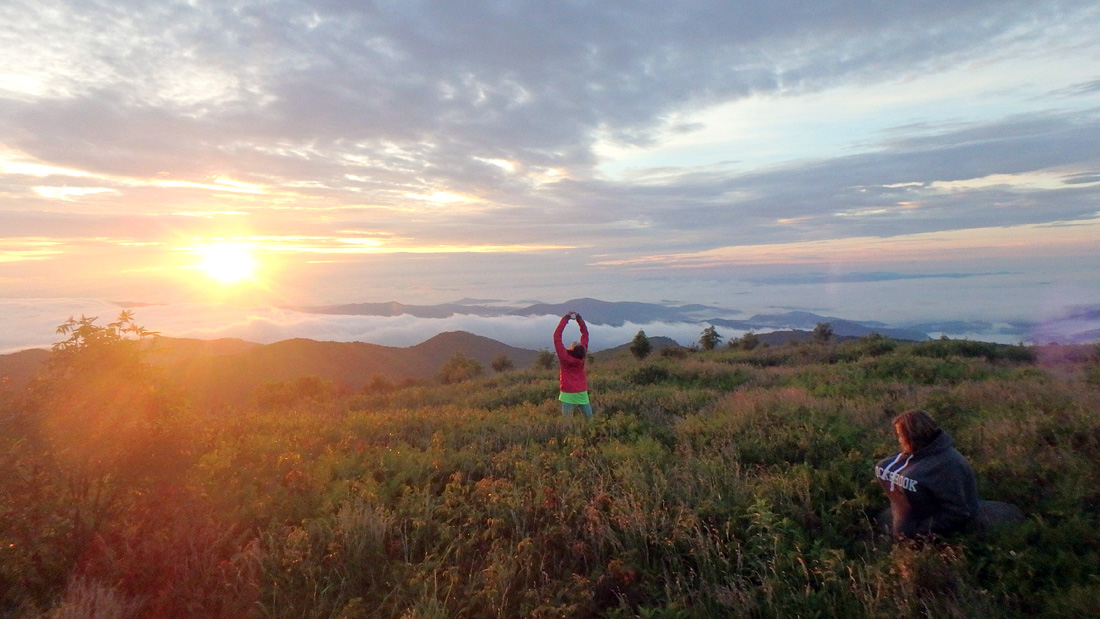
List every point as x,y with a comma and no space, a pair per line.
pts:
918,427
576,350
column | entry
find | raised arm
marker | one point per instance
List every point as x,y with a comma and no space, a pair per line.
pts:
584,330
558,346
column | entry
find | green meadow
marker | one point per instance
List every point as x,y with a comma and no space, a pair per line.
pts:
711,483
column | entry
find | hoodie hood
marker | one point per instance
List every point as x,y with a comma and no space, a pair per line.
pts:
942,442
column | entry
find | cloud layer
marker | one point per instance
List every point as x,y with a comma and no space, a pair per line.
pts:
33,323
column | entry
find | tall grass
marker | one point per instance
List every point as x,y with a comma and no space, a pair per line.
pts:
724,483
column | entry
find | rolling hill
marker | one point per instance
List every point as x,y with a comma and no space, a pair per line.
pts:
228,371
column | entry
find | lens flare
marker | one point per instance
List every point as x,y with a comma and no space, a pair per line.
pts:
227,263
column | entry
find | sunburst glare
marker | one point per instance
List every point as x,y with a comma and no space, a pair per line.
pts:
227,263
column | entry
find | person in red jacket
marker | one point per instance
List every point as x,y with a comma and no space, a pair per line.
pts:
572,379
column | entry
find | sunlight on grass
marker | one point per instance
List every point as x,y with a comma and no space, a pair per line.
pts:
726,483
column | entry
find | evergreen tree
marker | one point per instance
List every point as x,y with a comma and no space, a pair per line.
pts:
640,347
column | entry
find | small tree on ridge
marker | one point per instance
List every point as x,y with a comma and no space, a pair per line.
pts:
709,338
640,346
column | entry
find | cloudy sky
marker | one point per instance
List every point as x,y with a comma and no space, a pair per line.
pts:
877,160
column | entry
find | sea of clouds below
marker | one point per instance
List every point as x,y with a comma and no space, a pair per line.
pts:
32,323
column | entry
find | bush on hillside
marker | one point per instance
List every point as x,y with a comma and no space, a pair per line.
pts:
299,391
748,341
873,345
545,360
822,333
649,374
944,348
502,363
459,368
674,352
101,431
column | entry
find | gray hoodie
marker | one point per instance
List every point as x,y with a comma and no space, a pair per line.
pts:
940,485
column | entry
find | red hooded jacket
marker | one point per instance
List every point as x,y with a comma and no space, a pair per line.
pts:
572,378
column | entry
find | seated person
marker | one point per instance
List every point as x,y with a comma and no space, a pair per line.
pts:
931,487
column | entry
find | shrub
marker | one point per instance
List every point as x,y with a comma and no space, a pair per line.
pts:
711,375
921,370
289,393
649,374
459,368
748,341
502,363
545,360
946,348
379,384
873,345
674,352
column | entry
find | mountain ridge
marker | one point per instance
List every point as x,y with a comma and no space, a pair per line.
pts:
231,368
1079,325
619,313
595,311
229,371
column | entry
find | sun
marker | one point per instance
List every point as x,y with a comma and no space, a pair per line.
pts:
227,263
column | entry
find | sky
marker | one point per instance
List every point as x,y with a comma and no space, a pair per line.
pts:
880,161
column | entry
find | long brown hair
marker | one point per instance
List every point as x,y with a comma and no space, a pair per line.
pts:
918,427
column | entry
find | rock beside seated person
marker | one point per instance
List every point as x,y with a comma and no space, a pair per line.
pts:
931,486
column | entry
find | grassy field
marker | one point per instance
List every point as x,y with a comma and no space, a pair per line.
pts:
720,483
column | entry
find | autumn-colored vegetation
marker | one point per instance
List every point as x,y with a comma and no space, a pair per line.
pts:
730,482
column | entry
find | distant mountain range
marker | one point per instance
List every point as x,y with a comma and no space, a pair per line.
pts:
229,371
615,314
807,321
1079,325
